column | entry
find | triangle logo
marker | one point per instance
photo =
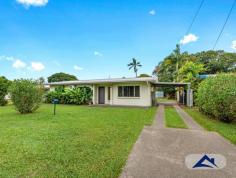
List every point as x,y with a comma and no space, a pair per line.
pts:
206,162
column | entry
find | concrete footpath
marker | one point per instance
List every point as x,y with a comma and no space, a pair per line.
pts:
160,152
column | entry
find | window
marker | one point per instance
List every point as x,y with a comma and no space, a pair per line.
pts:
109,93
128,91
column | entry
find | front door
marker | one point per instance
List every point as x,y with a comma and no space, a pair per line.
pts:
101,95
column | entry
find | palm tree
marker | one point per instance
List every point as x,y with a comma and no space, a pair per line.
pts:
177,55
134,64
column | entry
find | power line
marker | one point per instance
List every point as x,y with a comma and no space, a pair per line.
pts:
194,17
222,29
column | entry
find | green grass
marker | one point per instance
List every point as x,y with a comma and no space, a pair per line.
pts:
164,100
79,141
226,130
172,118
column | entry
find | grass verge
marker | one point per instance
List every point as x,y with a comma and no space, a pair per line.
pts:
173,119
227,130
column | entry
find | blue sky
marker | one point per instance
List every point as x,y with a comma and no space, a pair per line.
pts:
97,38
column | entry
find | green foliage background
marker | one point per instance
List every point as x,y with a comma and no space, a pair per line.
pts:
4,84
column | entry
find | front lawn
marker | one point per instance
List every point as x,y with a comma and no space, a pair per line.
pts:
173,119
225,129
79,141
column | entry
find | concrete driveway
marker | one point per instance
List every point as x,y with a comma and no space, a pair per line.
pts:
160,152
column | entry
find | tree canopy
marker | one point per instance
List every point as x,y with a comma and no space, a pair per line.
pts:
144,75
58,77
212,61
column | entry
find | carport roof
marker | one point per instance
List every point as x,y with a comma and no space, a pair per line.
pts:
170,84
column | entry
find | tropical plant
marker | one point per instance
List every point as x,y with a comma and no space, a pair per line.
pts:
58,77
189,72
26,95
77,95
134,65
4,83
216,96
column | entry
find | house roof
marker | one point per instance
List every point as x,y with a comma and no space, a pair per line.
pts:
110,80
152,80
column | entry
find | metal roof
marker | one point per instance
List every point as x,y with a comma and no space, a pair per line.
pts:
152,80
110,80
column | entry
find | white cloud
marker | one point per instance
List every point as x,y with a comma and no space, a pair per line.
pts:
37,66
188,39
233,45
96,53
18,64
28,3
152,12
7,58
77,68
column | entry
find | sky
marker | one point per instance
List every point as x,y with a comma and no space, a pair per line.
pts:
95,39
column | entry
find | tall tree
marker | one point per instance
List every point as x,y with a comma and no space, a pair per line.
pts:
177,58
217,61
58,77
135,65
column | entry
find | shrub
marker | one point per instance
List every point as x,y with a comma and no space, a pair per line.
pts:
4,83
78,95
216,96
26,95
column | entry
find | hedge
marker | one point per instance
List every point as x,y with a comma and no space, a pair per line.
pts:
78,95
216,97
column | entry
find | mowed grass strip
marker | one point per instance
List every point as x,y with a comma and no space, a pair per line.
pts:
79,141
227,130
173,119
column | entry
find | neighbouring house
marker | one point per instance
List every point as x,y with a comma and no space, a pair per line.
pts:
121,91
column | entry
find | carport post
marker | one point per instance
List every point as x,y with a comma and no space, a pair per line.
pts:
189,96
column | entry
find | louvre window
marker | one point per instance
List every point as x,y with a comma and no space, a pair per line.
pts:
128,91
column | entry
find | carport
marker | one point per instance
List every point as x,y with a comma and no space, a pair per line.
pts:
184,94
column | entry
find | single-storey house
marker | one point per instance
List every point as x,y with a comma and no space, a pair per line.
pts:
120,91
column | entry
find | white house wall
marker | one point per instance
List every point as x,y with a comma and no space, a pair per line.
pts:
143,100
